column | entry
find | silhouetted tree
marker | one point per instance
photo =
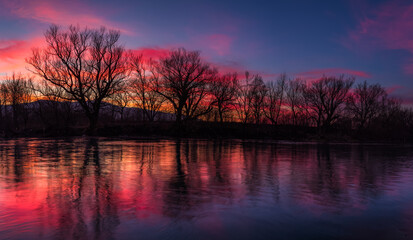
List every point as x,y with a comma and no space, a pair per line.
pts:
88,64
83,68
393,121
184,80
223,91
18,95
244,99
390,110
365,103
326,97
3,101
295,98
144,87
120,101
258,93
275,99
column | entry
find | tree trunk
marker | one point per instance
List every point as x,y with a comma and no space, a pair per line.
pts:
15,123
178,117
221,117
93,121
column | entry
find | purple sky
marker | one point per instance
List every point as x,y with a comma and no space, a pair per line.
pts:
371,40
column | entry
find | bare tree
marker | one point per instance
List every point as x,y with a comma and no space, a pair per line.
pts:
120,101
244,99
88,64
390,108
184,80
258,94
394,120
295,98
327,98
144,87
365,103
223,91
275,99
3,101
18,95
250,99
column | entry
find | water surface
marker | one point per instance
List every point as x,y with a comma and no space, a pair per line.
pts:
86,188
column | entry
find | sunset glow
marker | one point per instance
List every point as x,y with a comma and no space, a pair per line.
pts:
206,119
369,40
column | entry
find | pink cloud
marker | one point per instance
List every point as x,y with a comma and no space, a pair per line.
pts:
387,27
229,67
393,88
13,53
156,53
152,53
405,94
408,67
401,92
220,44
407,100
318,73
60,13
235,67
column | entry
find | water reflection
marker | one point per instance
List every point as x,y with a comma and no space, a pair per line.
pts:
87,188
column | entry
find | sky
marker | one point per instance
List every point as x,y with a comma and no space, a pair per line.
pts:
371,40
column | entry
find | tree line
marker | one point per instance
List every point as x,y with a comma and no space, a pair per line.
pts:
91,68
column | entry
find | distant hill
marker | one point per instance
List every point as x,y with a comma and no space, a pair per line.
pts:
107,109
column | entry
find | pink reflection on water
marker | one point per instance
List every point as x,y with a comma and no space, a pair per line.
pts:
83,188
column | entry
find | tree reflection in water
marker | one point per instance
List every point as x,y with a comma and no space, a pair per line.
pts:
97,188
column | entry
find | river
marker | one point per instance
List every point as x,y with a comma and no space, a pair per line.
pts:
101,188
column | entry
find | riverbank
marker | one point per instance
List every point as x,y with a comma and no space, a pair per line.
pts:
213,130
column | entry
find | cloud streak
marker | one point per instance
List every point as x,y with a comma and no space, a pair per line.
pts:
154,53
218,43
318,73
60,13
14,51
387,27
